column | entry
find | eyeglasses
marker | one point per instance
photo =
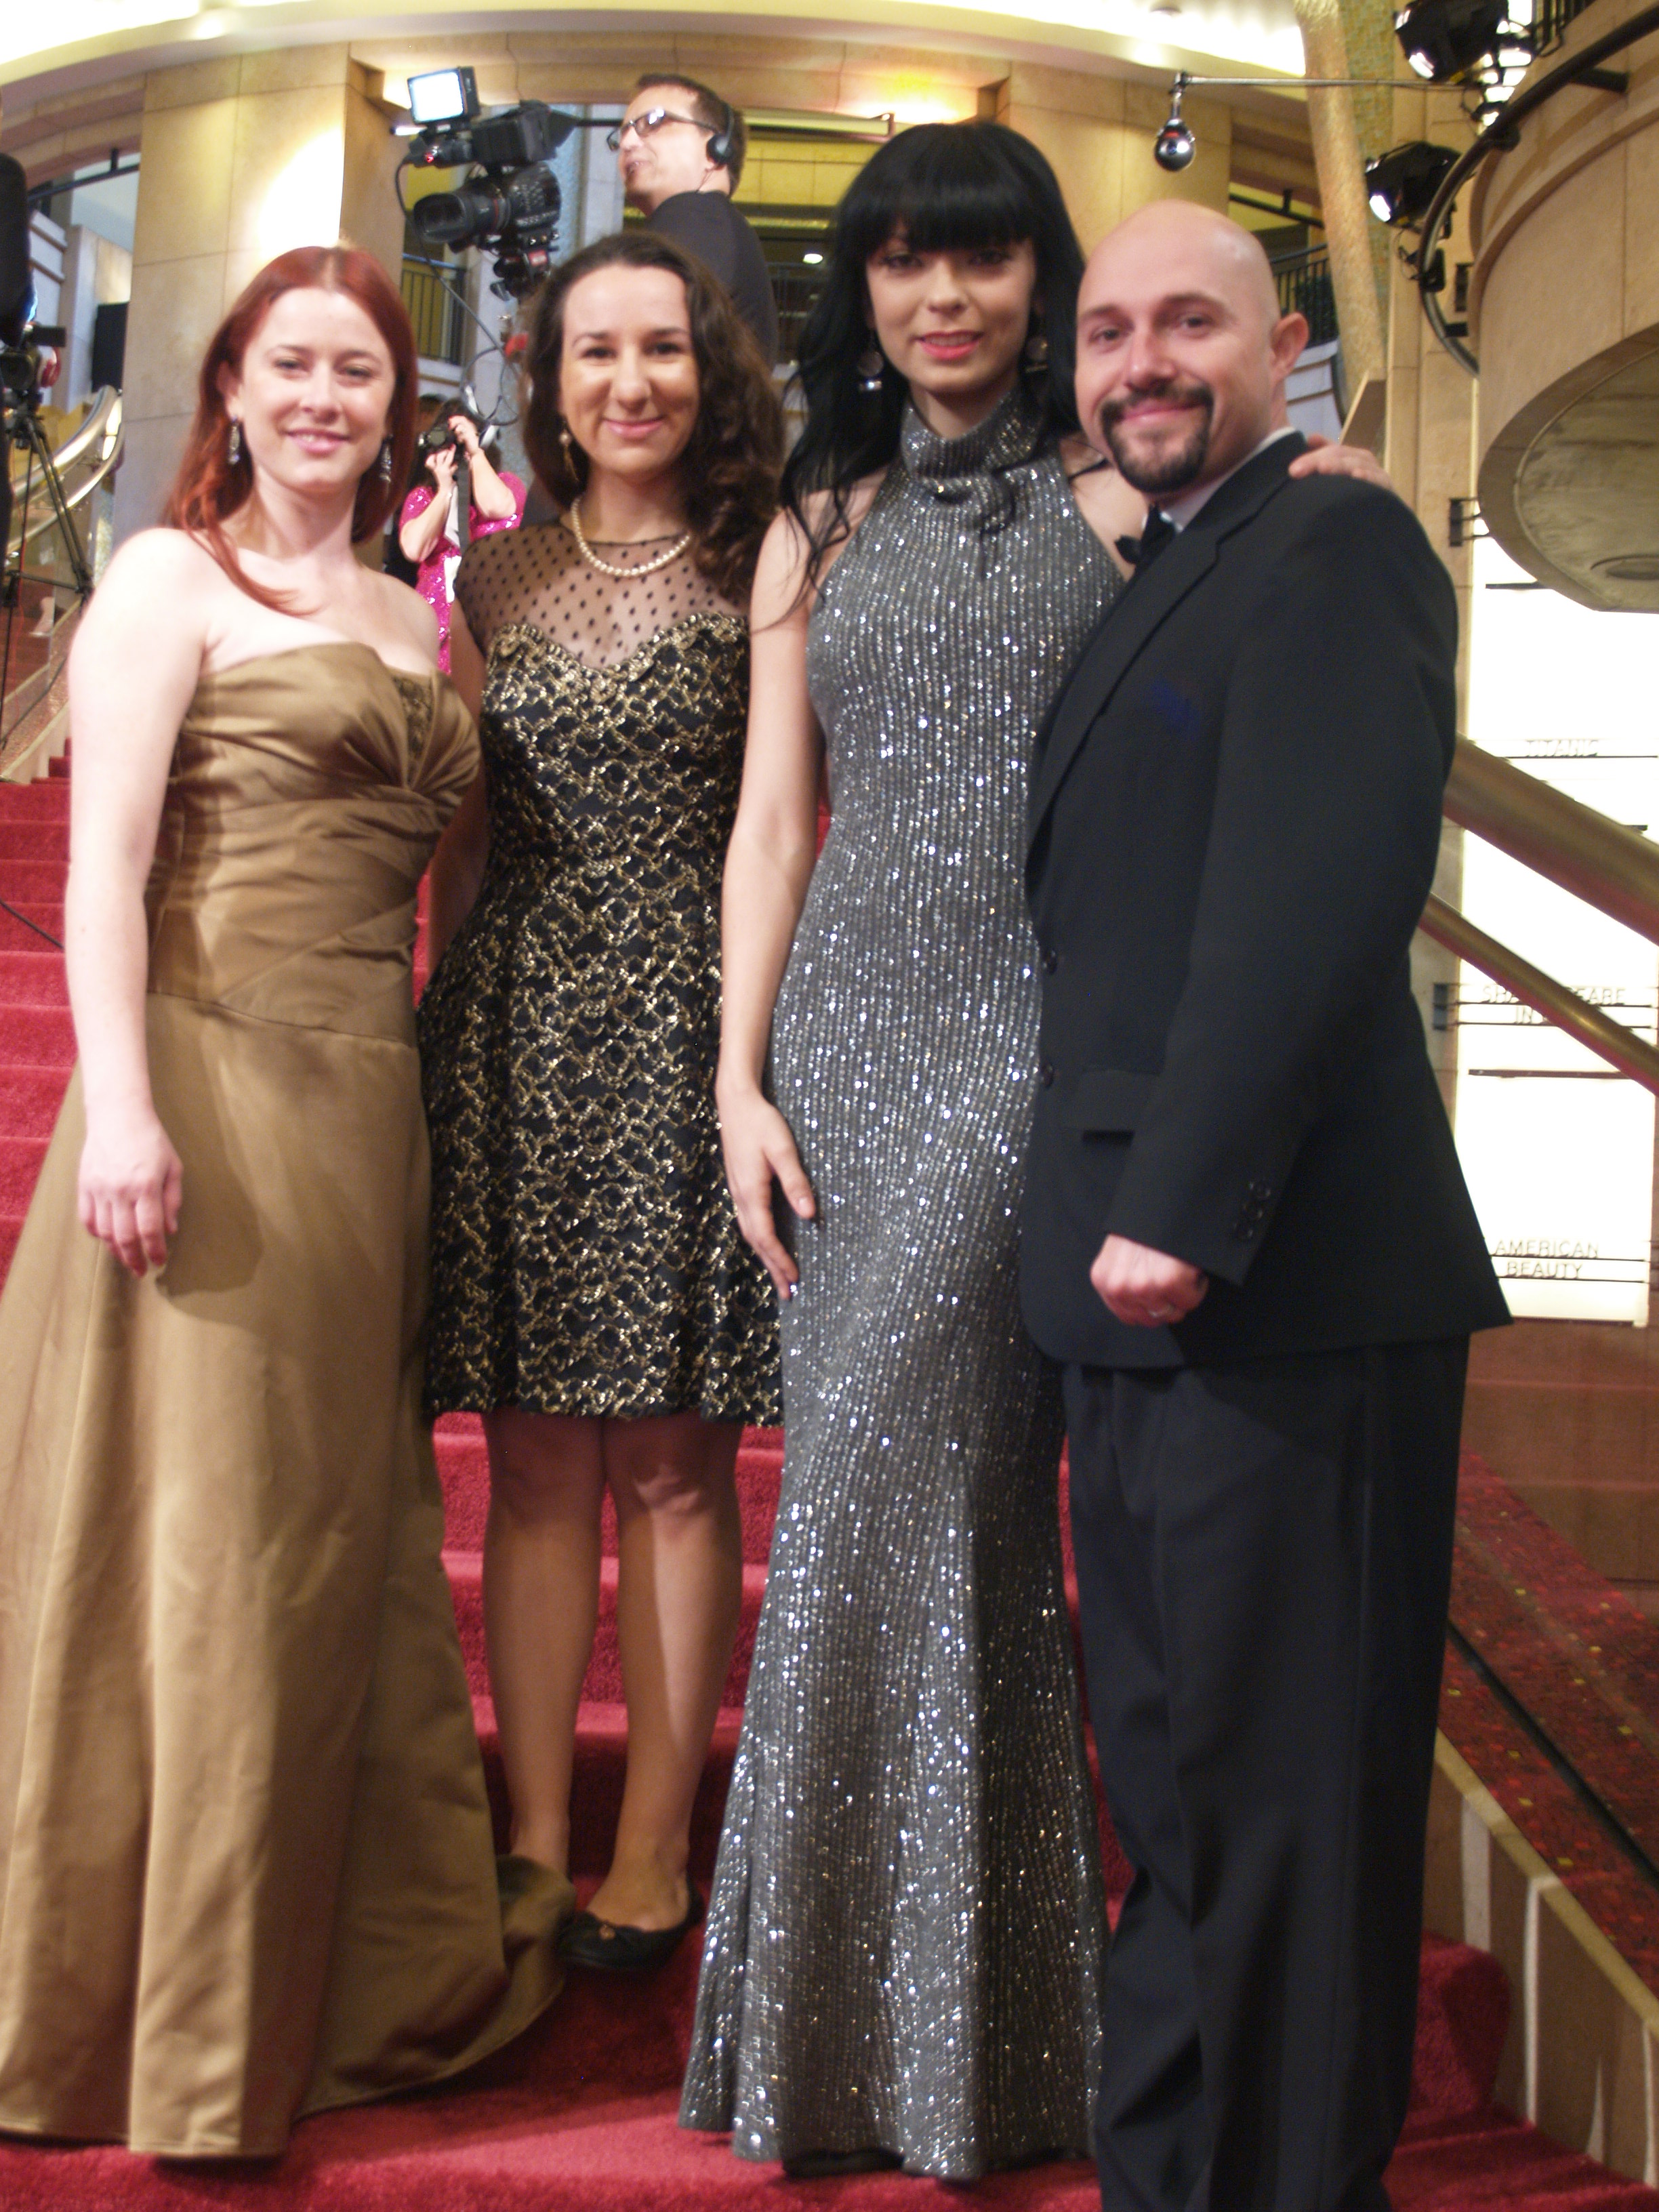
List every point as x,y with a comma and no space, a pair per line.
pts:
643,126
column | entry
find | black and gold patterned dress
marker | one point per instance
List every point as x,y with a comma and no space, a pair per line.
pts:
586,1257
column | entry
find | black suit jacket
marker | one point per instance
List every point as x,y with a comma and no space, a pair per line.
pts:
708,225
1235,815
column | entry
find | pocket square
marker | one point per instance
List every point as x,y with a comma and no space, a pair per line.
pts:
1173,707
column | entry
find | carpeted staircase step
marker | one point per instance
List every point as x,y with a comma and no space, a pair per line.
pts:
30,1098
25,882
32,977
16,934
39,1036
20,1165
45,799
44,839
580,2115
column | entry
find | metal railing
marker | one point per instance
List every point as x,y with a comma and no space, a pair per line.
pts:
1549,19
1614,869
438,317
1610,867
1305,289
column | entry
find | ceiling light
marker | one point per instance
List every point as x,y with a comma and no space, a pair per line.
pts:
1401,183
1446,41
1175,145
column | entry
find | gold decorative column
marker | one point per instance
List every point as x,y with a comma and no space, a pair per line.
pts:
1348,221
241,158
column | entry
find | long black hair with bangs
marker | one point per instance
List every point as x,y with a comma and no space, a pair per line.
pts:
949,187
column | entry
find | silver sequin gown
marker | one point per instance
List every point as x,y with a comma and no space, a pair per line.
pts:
905,1933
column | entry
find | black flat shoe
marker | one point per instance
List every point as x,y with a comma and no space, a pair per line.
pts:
615,1949
825,2164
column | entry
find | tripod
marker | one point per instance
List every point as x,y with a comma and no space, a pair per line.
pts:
20,425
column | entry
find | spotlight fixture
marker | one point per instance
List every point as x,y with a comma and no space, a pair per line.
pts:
1448,41
1401,183
449,95
1175,145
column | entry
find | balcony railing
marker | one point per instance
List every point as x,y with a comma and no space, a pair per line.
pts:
1305,289
438,316
1609,867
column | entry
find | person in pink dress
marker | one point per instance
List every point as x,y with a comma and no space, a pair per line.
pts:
428,528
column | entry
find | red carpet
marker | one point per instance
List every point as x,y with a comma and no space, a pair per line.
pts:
579,2117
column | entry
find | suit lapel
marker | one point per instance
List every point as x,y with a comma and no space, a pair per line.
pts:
1132,617
1126,625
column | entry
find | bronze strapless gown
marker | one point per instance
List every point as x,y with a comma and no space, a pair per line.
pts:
246,1866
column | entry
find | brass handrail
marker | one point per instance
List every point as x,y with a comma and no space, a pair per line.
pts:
1610,1040
1612,868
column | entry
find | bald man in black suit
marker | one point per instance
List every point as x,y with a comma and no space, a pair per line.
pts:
1248,1239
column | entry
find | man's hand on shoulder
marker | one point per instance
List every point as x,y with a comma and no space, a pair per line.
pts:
1145,1289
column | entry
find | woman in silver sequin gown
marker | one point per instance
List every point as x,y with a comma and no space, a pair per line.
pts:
906,1929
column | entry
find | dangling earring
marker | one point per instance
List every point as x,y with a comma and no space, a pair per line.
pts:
870,365
383,464
567,442
233,444
1036,362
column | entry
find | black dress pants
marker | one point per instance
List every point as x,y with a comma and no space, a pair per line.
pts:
1263,1558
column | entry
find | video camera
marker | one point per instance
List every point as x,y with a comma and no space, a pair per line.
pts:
30,359
511,200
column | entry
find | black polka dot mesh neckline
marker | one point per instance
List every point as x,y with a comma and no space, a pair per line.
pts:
538,577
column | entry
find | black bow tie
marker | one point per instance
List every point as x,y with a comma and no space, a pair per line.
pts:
1140,552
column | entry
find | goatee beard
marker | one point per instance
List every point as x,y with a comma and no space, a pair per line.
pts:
1169,471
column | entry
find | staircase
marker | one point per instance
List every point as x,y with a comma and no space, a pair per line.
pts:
579,2115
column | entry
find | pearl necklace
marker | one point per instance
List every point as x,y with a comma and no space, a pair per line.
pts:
606,567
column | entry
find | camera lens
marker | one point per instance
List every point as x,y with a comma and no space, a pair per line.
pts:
458,218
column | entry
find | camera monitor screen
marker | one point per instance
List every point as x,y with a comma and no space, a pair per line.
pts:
448,95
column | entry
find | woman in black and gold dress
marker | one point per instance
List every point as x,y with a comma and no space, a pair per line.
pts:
592,1296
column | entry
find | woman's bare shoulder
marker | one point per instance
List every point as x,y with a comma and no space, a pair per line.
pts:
162,560
788,552
406,615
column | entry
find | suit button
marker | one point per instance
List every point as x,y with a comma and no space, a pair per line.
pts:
1046,1074
1244,1227
1050,959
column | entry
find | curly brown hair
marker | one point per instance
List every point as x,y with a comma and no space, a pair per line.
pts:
729,470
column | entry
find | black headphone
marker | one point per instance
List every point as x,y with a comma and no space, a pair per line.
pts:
721,151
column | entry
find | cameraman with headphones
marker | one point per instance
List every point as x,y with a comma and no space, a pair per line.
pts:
680,149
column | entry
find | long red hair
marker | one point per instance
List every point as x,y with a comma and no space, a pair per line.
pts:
209,487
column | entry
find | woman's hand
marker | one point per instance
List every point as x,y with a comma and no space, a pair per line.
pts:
760,1150
131,1185
491,499
1322,459
443,466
